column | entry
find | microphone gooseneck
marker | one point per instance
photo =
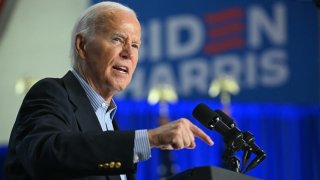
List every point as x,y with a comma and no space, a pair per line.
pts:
233,137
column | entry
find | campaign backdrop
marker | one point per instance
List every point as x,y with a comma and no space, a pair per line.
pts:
270,47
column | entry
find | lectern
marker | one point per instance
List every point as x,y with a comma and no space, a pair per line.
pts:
210,173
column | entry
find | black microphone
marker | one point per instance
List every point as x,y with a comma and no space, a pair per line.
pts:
249,139
213,120
210,119
226,119
260,154
230,122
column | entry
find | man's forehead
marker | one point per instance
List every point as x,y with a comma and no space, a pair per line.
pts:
120,22
116,15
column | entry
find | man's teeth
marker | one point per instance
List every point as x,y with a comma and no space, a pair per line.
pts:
121,68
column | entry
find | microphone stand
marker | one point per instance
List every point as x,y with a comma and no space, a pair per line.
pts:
234,144
231,160
260,154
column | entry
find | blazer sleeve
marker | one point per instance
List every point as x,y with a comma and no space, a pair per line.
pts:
47,140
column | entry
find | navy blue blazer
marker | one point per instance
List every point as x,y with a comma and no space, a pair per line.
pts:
58,136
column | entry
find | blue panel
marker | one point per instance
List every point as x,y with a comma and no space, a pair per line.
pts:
289,134
270,47
3,152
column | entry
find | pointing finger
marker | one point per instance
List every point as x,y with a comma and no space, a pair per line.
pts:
202,135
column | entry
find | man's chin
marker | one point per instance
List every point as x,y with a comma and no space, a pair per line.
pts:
121,88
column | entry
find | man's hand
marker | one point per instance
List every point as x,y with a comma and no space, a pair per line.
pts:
177,135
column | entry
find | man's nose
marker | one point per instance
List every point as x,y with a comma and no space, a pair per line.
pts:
126,52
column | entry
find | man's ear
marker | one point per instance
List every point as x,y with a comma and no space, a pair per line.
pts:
80,44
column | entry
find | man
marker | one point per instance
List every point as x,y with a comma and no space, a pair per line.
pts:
65,127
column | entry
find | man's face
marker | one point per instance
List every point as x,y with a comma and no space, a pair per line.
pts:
111,55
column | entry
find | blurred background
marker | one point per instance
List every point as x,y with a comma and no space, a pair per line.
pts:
258,61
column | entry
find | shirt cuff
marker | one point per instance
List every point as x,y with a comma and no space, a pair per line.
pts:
141,150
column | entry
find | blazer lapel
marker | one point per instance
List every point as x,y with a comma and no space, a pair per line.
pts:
85,115
115,124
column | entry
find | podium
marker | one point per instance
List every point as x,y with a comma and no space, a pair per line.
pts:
210,173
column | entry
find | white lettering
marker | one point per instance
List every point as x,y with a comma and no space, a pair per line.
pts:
250,75
275,71
155,40
151,41
259,23
227,65
162,74
195,29
193,75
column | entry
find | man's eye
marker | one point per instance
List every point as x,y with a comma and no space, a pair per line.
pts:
135,46
117,39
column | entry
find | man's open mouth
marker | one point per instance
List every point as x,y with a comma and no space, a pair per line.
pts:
122,69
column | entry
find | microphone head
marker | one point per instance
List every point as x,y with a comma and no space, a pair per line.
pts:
225,118
204,114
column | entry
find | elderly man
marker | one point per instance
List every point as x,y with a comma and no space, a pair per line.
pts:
65,127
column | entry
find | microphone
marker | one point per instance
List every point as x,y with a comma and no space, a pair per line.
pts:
249,139
226,119
230,122
260,154
233,137
212,120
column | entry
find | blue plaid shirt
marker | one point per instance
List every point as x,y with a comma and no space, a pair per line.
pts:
105,114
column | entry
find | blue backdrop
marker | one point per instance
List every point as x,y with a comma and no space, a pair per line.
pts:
270,47
289,134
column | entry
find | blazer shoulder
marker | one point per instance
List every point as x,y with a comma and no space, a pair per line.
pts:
61,87
47,87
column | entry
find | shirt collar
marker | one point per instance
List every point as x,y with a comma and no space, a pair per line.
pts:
95,99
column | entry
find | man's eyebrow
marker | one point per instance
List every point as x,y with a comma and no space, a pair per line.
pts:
125,37
119,35
137,42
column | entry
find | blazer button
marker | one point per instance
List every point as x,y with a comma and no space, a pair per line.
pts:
118,164
106,165
112,164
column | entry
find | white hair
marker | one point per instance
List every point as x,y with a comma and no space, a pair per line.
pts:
87,22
